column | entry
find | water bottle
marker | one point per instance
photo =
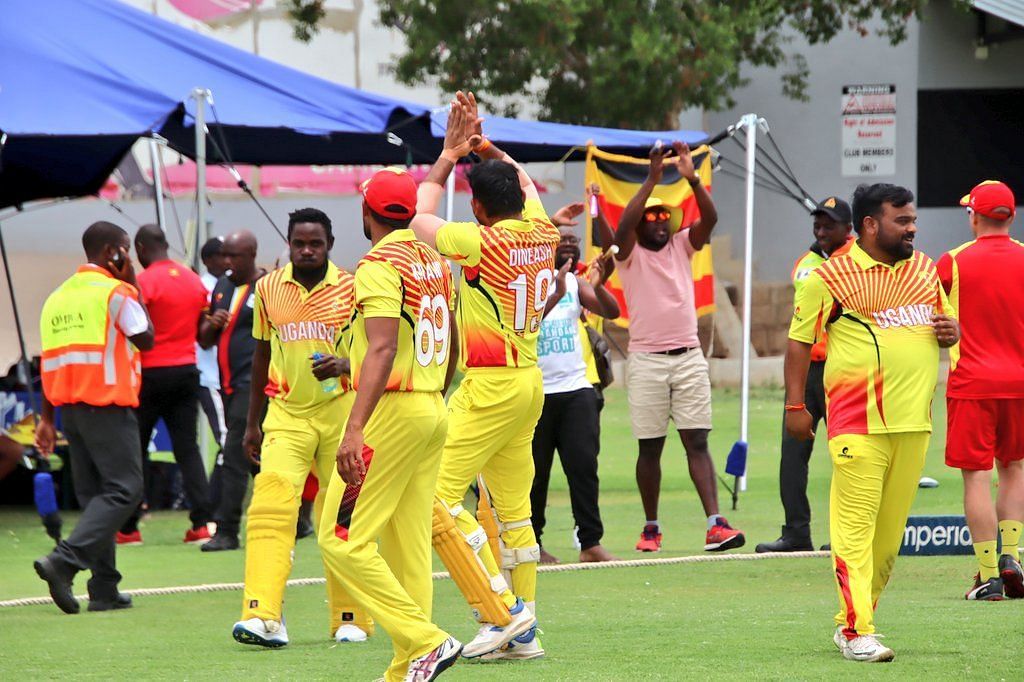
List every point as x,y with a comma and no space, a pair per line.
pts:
46,504
330,385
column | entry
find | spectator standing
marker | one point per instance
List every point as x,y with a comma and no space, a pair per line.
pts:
206,358
833,223
90,328
570,419
177,300
229,327
666,374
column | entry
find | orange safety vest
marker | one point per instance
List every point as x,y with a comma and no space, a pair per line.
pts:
86,358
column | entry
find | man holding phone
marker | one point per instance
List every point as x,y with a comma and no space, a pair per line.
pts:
91,327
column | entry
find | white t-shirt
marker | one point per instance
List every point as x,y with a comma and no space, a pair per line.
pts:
132,319
206,360
559,353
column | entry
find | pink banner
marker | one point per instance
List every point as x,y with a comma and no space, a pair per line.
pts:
206,10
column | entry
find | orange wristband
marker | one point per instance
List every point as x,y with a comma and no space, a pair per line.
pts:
483,146
796,408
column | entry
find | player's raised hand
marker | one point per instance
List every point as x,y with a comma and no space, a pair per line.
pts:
474,122
351,467
799,424
252,443
458,140
566,214
684,161
947,330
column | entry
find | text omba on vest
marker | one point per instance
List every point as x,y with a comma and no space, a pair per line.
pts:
64,321
529,256
904,316
306,331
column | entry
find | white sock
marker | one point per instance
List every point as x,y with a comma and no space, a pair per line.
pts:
712,519
653,523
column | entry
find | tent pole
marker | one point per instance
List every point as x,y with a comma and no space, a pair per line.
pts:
158,183
751,122
449,187
25,366
200,95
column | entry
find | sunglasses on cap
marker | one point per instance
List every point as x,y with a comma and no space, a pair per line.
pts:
656,216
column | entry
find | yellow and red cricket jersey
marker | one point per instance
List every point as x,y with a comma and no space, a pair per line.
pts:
985,282
882,354
401,277
299,323
506,270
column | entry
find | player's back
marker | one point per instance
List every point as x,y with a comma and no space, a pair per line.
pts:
406,276
507,269
985,281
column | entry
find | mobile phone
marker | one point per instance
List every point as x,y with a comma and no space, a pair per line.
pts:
118,258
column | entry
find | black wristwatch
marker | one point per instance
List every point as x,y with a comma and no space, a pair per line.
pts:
694,182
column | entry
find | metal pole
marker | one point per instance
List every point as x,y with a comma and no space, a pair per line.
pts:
24,365
200,95
158,183
449,187
750,121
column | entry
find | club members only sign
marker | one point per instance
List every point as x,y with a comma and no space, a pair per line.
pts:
869,130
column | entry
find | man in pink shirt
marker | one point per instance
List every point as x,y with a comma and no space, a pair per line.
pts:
666,374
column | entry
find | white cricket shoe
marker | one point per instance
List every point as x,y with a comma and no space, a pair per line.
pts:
430,665
268,633
839,639
349,633
523,648
491,637
867,649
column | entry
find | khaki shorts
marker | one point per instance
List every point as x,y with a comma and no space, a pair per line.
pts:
663,386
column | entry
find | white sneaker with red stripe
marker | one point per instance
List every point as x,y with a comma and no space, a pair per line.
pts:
430,665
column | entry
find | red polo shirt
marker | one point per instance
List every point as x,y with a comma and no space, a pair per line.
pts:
175,297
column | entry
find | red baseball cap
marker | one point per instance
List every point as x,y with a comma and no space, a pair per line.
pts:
992,199
391,192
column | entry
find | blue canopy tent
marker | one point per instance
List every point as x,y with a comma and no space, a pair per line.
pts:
81,80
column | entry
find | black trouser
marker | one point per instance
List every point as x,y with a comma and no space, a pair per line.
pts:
107,472
569,423
235,468
796,454
172,394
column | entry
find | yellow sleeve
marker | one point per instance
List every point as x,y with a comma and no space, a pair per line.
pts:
378,290
812,307
261,324
534,210
460,242
945,307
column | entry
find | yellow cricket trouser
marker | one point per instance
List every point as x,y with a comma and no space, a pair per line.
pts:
874,481
291,447
491,419
393,583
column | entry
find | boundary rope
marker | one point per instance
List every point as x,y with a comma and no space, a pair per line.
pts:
443,575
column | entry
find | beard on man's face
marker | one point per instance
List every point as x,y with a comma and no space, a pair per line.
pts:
562,256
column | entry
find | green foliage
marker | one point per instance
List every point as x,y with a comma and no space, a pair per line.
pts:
616,62
305,16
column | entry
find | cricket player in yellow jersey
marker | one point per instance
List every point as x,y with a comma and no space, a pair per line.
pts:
402,338
886,316
302,311
507,262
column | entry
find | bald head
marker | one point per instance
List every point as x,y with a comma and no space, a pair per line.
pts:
150,244
239,251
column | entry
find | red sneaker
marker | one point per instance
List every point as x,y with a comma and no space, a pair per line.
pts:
197,536
650,540
722,536
133,538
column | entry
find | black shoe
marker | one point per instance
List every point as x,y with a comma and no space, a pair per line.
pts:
987,590
59,582
827,547
304,527
1013,577
784,544
121,601
220,543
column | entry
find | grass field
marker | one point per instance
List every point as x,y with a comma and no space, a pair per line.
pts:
724,620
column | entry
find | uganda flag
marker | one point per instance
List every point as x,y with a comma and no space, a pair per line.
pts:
619,178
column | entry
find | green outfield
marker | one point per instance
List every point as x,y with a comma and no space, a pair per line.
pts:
725,620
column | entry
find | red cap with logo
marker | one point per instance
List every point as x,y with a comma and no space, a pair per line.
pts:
992,199
391,192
